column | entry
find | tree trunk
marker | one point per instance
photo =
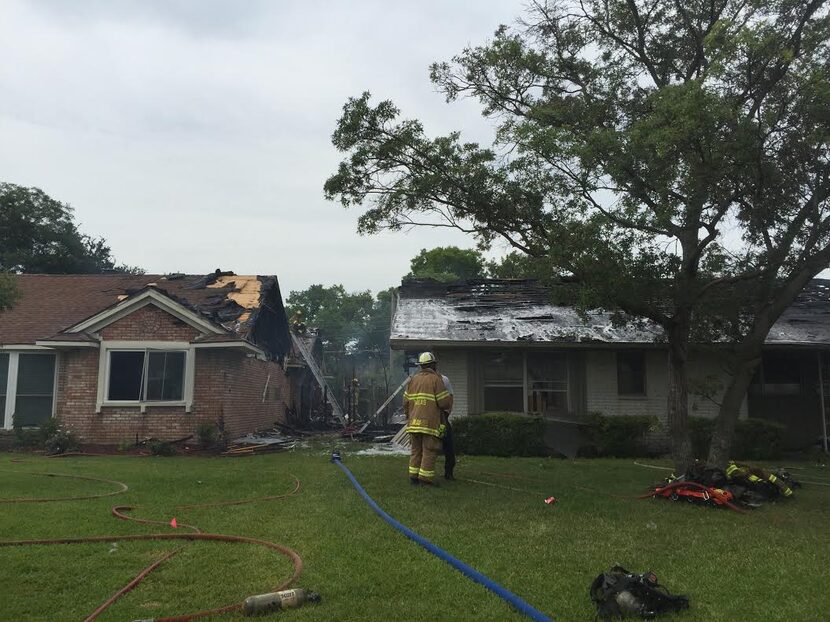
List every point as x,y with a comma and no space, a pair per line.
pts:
678,397
721,445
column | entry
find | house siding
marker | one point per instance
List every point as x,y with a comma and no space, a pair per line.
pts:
228,390
602,397
454,365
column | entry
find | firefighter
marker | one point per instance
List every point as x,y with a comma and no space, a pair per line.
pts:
447,438
424,399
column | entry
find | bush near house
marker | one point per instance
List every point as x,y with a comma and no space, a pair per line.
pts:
500,434
49,435
621,436
755,439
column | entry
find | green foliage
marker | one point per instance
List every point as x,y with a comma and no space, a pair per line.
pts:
755,439
38,235
516,265
620,436
448,263
162,448
340,316
635,142
500,434
49,435
207,434
354,328
61,441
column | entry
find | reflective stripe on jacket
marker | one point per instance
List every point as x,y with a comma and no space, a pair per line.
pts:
755,476
424,399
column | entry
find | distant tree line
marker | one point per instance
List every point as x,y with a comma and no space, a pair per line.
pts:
38,235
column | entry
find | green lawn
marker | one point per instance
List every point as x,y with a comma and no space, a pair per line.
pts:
769,565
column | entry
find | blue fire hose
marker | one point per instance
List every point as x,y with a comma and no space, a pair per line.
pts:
463,568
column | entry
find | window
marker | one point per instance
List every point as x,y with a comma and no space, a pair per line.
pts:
547,375
503,382
35,388
146,376
631,373
4,380
778,374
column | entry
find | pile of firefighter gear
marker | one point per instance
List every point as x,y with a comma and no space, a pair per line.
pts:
619,593
740,485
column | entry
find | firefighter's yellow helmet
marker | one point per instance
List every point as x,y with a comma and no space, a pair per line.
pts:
425,358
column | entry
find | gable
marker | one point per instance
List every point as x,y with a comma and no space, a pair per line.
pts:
149,323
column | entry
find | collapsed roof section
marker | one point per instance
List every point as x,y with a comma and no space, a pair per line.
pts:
249,308
505,311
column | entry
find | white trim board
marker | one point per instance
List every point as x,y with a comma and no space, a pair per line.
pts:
177,346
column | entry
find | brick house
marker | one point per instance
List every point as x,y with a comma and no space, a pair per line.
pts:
506,348
118,357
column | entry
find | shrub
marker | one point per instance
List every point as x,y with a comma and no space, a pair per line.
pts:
500,434
755,439
622,436
34,436
161,448
61,441
206,433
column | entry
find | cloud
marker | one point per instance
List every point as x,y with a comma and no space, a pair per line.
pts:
195,135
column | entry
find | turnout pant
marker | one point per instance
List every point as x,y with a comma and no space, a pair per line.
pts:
449,451
424,451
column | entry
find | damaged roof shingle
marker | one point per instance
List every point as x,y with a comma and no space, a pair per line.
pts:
506,310
49,304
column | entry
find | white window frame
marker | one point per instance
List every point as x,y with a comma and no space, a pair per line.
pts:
146,346
11,383
566,357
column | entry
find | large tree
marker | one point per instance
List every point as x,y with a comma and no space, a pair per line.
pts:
38,235
667,156
448,263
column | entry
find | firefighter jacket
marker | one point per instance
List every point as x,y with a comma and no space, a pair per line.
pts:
753,477
424,399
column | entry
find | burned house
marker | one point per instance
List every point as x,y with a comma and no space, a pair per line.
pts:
120,356
506,348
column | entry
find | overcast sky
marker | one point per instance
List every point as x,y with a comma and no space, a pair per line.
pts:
195,134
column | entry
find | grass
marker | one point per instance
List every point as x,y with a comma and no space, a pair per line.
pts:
769,565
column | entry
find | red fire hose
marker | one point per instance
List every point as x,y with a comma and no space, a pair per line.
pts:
119,512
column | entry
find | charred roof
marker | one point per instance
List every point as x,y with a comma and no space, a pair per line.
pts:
249,307
520,310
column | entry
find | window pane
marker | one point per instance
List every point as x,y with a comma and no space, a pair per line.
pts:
631,373
126,369
547,375
165,376
36,374
503,368
4,376
506,399
32,410
782,369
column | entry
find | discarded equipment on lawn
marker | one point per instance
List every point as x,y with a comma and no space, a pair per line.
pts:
739,484
275,601
619,593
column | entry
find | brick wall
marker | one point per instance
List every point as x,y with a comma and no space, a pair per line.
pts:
228,389
149,323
